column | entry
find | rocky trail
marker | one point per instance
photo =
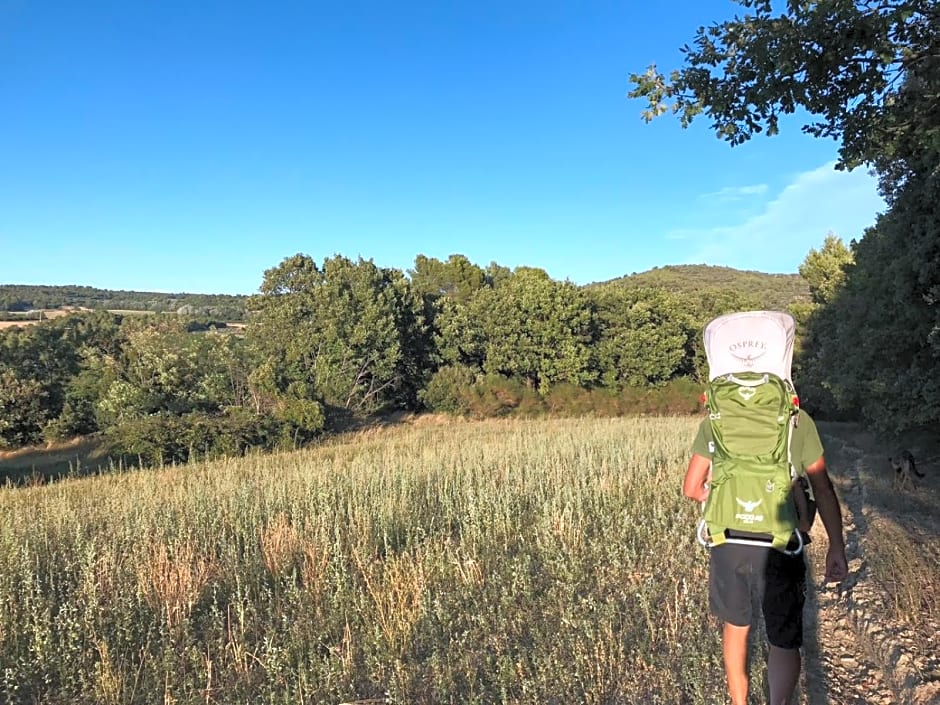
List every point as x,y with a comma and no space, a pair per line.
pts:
855,654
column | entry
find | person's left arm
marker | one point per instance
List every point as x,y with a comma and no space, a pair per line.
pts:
827,503
695,485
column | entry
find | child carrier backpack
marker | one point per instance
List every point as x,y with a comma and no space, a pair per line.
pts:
752,411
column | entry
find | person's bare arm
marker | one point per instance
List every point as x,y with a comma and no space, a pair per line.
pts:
827,503
696,477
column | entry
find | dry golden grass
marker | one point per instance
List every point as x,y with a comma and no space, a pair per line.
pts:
316,559
281,545
899,528
398,588
173,578
47,314
519,561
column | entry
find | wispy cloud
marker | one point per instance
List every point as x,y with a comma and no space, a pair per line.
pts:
791,223
735,193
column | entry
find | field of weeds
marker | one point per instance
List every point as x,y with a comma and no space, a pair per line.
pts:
537,561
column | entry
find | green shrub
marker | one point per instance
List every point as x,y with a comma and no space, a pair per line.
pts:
231,433
495,395
453,391
163,439
154,440
447,391
77,419
678,396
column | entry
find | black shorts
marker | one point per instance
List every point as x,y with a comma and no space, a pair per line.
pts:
737,572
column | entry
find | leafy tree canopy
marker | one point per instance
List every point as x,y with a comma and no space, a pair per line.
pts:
866,69
345,334
824,269
527,326
643,335
458,277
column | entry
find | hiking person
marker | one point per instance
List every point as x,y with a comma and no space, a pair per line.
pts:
747,352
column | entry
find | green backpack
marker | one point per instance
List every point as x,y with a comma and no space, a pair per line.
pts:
752,416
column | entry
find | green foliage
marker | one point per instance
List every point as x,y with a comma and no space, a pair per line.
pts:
154,440
37,363
164,438
23,409
160,367
688,297
458,392
495,395
447,390
643,337
352,333
303,419
223,307
715,290
824,269
867,72
350,339
457,278
77,417
877,339
528,327
678,397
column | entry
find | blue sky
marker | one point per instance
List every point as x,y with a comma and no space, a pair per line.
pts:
189,146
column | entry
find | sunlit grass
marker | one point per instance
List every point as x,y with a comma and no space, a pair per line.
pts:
908,570
518,561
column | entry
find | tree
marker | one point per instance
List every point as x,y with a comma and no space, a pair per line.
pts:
528,326
867,71
824,269
23,410
38,363
875,346
643,335
162,368
457,278
349,335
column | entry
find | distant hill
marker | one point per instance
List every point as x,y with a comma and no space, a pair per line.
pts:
774,291
17,298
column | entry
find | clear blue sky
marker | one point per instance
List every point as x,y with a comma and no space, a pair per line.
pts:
185,146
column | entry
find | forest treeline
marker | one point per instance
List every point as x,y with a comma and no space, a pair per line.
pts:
343,340
18,300
339,341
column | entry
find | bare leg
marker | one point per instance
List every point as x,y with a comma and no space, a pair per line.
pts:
783,672
734,649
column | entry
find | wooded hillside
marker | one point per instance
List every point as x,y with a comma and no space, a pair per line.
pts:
19,298
776,292
768,291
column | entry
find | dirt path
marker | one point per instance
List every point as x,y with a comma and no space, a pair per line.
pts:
854,655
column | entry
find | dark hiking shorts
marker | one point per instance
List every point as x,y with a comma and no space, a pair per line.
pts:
738,573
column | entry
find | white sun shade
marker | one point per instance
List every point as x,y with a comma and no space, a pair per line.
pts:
750,341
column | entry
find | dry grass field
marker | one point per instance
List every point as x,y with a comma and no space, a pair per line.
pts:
512,561
43,315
